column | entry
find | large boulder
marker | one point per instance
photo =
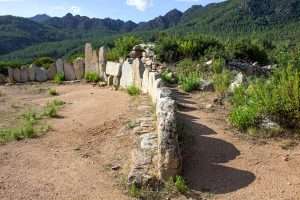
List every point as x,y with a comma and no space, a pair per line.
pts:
31,72
41,74
79,68
69,72
60,66
113,69
17,75
237,82
127,75
24,74
169,157
51,71
138,71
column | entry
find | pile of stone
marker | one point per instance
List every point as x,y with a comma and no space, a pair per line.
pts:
250,69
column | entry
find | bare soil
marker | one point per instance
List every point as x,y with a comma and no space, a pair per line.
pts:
75,159
220,164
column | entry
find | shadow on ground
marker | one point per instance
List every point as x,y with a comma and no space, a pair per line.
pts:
204,156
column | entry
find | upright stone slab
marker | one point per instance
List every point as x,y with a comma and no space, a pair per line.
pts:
145,83
10,75
24,74
60,66
69,72
113,69
91,59
41,74
153,76
31,72
127,75
79,68
169,158
138,71
2,79
51,71
17,75
102,63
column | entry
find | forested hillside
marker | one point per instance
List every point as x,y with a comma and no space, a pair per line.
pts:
274,20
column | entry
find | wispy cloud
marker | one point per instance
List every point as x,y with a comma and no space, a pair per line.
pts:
71,9
141,5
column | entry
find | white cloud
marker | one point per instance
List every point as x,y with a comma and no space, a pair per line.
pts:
72,9
75,10
141,5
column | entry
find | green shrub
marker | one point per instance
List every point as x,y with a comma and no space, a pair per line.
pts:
190,82
218,65
181,185
133,90
59,78
51,109
222,82
134,191
277,98
53,92
169,77
92,77
44,62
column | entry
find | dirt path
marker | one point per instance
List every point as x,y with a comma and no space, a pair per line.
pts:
225,166
74,160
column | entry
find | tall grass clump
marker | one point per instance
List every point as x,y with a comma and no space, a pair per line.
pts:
277,98
190,82
222,77
59,78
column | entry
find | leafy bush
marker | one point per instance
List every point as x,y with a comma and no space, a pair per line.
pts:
218,65
169,77
222,82
167,49
133,90
181,185
122,47
92,77
59,78
277,98
50,110
44,62
190,82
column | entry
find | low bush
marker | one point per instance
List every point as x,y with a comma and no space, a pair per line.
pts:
59,78
190,82
222,82
277,98
92,77
133,90
44,62
50,110
168,77
180,185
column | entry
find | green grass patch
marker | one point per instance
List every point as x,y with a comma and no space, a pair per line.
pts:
133,90
59,78
92,77
190,82
53,92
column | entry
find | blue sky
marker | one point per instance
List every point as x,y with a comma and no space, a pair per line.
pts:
135,10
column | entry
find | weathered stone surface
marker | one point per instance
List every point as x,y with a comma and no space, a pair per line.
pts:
24,74
69,72
152,89
51,71
102,63
116,81
127,75
2,79
145,83
149,141
138,71
237,82
91,60
79,68
17,75
169,158
110,80
164,92
60,66
113,69
207,86
31,72
41,74
10,75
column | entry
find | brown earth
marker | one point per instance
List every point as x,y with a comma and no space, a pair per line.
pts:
220,164
75,159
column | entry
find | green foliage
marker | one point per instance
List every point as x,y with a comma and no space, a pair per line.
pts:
222,82
51,109
180,185
277,98
218,65
44,62
92,77
52,92
190,82
169,77
122,47
133,90
167,49
134,191
59,78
